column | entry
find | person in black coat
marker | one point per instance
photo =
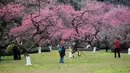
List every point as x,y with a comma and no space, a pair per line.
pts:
75,47
62,53
15,52
19,54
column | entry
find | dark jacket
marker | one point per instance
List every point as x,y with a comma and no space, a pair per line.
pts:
63,51
15,49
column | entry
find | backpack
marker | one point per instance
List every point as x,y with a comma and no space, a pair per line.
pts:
60,49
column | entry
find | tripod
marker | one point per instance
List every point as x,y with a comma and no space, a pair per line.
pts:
79,51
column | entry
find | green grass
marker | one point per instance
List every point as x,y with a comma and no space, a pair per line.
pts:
97,62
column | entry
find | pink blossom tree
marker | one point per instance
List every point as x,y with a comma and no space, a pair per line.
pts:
99,18
42,26
119,18
90,20
55,21
10,14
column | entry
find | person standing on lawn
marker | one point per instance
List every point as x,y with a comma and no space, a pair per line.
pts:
116,45
61,50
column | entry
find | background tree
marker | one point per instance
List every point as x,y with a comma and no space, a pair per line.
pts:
122,2
43,21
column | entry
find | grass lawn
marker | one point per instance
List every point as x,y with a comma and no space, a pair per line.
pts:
48,62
